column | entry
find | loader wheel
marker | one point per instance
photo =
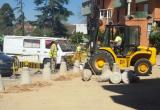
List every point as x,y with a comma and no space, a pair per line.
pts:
99,59
143,67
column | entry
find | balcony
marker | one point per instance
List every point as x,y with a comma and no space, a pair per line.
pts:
140,1
105,13
86,8
141,14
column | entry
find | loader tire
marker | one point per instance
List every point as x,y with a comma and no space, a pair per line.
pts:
98,60
143,67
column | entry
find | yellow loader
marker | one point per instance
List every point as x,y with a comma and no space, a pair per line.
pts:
129,53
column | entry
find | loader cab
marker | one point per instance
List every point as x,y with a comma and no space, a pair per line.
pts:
130,36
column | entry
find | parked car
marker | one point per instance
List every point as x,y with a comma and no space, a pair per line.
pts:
6,64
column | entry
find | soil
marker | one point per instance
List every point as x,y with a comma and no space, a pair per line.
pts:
74,94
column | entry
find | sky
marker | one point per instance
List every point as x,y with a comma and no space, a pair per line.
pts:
30,12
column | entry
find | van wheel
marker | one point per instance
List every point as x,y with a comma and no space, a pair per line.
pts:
46,61
16,63
143,67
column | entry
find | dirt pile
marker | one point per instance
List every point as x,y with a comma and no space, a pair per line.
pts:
66,77
27,87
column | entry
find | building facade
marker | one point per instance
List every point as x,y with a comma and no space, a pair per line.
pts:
143,13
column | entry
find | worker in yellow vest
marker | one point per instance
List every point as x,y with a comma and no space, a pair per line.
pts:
78,52
53,55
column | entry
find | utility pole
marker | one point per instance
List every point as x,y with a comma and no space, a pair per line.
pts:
21,17
22,13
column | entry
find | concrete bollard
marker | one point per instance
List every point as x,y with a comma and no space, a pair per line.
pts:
115,78
106,72
46,73
76,68
63,68
116,68
129,76
126,77
86,75
25,76
81,66
2,89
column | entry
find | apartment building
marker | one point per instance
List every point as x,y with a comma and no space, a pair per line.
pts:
143,13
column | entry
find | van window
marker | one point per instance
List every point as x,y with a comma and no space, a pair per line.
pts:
31,43
65,45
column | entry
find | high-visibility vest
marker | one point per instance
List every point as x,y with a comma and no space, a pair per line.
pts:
78,49
53,51
118,40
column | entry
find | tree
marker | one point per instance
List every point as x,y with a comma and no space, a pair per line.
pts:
39,32
20,19
52,14
77,38
155,40
7,18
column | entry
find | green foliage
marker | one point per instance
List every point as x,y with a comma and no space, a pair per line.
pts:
52,14
154,38
1,39
37,32
19,32
77,38
7,18
47,32
42,32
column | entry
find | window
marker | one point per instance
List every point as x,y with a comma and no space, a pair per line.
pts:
105,13
31,43
146,7
65,46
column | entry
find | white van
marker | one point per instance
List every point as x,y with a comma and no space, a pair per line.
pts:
35,49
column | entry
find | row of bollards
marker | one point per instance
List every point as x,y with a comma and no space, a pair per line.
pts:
26,79
115,76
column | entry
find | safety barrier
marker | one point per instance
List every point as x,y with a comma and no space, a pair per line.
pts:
17,65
